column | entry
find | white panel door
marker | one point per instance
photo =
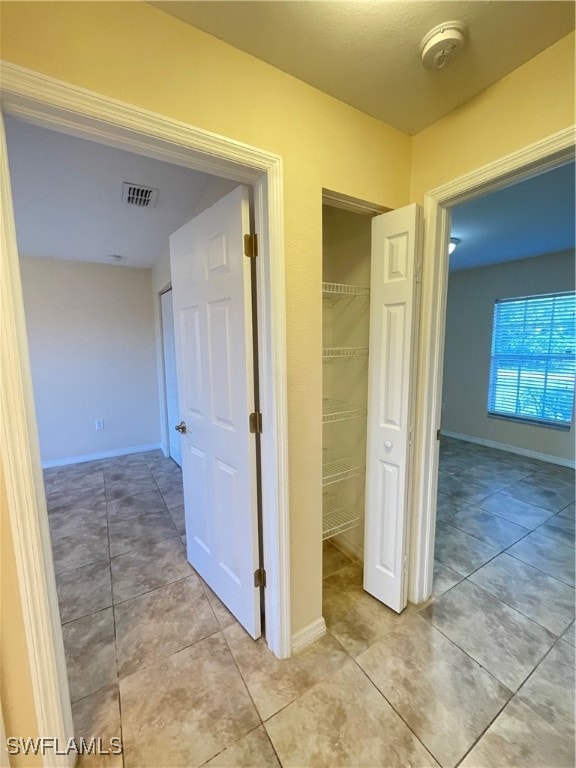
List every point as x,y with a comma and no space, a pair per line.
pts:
170,382
214,358
396,244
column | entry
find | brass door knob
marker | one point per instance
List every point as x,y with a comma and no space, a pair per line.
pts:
181,428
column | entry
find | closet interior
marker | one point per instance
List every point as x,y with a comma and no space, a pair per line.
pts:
346,246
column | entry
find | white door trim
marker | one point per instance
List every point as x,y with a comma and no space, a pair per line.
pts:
539,157
20,457
67,108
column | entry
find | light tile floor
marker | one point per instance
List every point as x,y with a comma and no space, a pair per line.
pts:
481,676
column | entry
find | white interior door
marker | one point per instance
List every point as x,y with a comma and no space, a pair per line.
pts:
214,360
170,382
396,245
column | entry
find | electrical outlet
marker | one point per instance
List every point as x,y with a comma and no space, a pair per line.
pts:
99,424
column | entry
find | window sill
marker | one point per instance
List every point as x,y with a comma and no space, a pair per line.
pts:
530,422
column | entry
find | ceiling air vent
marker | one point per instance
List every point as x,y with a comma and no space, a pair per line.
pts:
141,197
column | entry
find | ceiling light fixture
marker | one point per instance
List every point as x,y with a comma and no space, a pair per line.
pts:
454,241
441,44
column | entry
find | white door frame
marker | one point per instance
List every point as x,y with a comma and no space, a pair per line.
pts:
67,108
544,155
168,427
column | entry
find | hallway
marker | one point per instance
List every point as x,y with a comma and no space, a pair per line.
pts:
480,676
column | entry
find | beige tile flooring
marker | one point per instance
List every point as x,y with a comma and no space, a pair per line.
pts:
481,676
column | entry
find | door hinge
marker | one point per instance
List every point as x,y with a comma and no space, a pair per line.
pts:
437,434
251,246
256,423
260,577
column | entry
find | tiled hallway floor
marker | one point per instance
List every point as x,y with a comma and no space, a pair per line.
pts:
481,676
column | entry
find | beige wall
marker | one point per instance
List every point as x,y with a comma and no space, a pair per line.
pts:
534,101
469,317
136,53
93,356
133,52
16,693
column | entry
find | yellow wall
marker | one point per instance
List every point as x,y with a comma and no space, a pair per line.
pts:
138,54
16,694
532,102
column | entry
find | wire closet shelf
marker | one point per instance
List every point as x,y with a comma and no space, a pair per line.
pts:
338,518
334,290
329,353
338,410
340,469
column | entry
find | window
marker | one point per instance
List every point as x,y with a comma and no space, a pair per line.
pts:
533,359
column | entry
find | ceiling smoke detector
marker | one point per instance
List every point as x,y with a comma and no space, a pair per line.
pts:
441,44
136,194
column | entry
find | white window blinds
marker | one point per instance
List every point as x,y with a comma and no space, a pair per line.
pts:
533,359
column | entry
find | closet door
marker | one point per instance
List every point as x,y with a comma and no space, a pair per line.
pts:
396,249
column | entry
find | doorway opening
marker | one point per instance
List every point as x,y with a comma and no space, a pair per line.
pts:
370,308
116,508
345,304
61,107
506,463
547,154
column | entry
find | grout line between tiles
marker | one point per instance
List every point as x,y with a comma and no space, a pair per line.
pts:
154,589
439,629
116,657
339,570
157,659
514,607
373,684
511,554
84,565
505,550
262,722
481,735
516,694
234,743
244,683
148,591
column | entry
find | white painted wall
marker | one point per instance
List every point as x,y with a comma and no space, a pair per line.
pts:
471,296
93,356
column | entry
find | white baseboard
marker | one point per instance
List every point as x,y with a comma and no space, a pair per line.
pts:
307,635
101,455
510,449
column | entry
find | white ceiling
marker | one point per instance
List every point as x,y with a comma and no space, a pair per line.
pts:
68,205
532,218
366,52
